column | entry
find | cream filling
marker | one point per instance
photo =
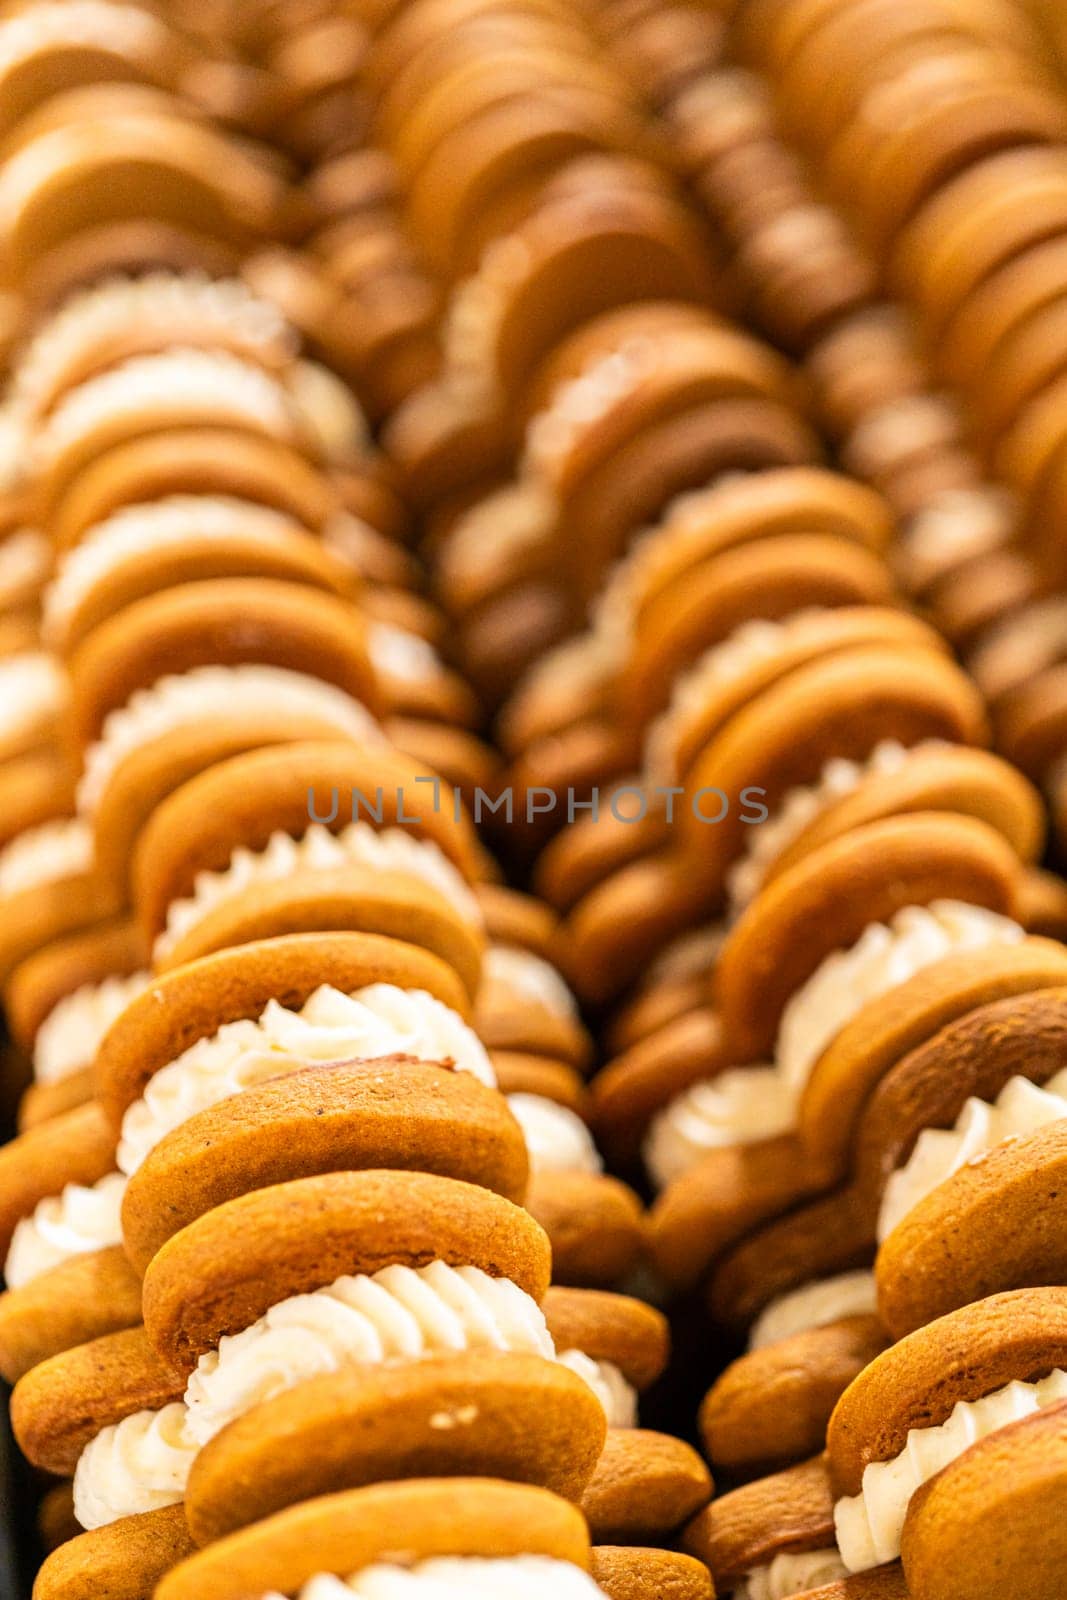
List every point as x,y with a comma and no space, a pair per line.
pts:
457,1578
393,850
399,1314
1021,1108
746,1104
25,559
899,429
556,1137
750,646
509,523
187,384
73,1223
139,1464
33,690
957,526
530,979
801,807
186,699
814,1305
870,1524
46,854
160,525
68,1038
329,410
790,1574
474,310
399,653
615,1392
378,1020
583,401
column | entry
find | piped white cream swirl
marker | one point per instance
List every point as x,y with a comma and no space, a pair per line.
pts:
68,1038
556,1137
457,1578
1021,1108
814,1305
45,854
399,1314
388,850
792,1574
25,561
72,1223
399,653
870,1524
139,1464
745,1104
378,1020
33,691
186,699
612,1388
530,978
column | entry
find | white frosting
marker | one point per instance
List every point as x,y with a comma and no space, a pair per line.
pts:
584,400
800,808
72,1223
556,1137
746,1104
188,384
189,309
615,1392
457,1578
46,854
790,1574
33,690
188,698
869,1525
378,1020
738,1106
814,1305
748,647
390,850
160,525
887,954
69,1036
139,1464
399,653
530,978
25,558
1021,1108
330,411
399,1314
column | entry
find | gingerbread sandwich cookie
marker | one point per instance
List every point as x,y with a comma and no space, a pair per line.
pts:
36,695
944,1388
627,1573
51,886
645,1487
464,1530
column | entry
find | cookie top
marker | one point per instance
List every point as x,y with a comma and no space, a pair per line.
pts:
125,1558
393,1112
229,1266
826,900
789,1511
631,1335
646,1485
412,1521
520,1417
66,1401
963,1356
626,1573
76,1147
195,1001
38,984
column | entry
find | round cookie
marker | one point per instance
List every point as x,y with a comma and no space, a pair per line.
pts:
789,1512
993,1510
84,1298
77,1147
519,1417
631,1335
646,1485
194,1002
393,1112
229,1266
124,1560
650,1072
517,1072
596,1225
827,899
37,986
625,1573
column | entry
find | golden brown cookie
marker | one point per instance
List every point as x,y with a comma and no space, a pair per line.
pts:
634,1574
644,1487
39,983
56,1522
77,1147
996,1509
520,1073
791,1511
66,1401
124,1559
826,900
393,1112
647,1075
344,1532
520,1417
961,1357
771,1406
995,1225
228,1267
84,1298
631,1335
596,1225
194,1002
